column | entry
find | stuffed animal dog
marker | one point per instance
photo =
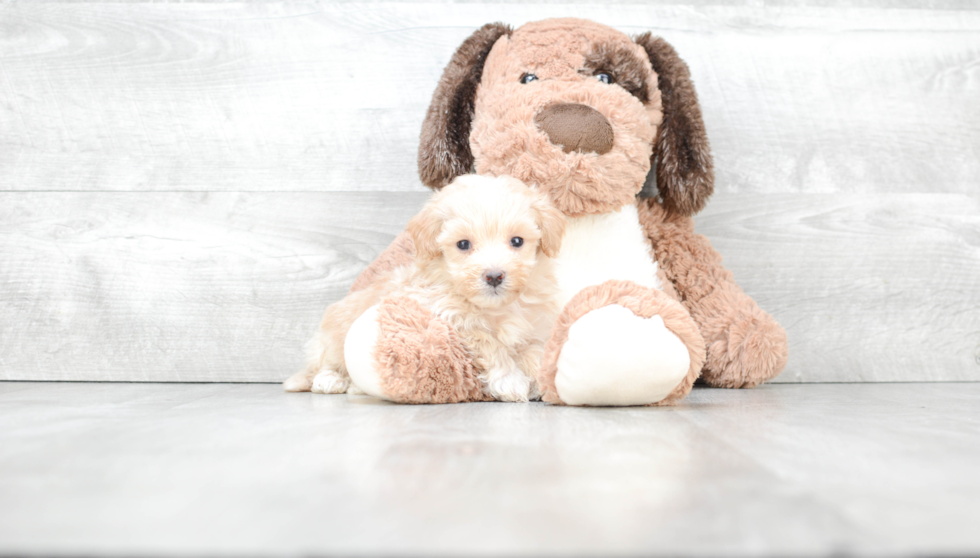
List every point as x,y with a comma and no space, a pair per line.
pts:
589,116
483,263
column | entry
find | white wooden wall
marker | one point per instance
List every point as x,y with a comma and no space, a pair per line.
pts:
185,186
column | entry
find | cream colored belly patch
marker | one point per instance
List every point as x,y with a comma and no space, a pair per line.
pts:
598,248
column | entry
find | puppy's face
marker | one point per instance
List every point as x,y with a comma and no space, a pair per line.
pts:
571,106
487,235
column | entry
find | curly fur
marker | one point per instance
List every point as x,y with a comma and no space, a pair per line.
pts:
483,117
503,326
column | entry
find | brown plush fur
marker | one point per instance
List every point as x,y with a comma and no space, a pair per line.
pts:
642,301
685,171
746,346
627,70
444,149
483,117
421,358
505,138
648,69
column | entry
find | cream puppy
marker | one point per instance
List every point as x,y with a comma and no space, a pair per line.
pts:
484,249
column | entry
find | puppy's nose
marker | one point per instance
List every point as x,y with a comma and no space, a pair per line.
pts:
576,128
493,277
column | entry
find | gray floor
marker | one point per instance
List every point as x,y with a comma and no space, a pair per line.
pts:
158,469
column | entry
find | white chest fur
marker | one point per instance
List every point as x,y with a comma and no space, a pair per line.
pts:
597,248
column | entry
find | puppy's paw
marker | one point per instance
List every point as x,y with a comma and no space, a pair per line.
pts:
299,381
509,386
329,381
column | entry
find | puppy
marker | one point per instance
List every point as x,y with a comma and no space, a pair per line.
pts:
484,249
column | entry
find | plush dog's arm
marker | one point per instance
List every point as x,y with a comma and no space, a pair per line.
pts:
400,252
745,345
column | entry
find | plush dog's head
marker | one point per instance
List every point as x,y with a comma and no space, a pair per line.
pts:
574,107
486,235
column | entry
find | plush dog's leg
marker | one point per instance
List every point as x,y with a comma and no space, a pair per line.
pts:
399,351
745,345
620,343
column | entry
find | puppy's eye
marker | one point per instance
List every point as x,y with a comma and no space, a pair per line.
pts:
517,242
463,245
604,77
528,78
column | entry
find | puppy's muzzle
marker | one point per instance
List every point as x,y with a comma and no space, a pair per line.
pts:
494,277
576,128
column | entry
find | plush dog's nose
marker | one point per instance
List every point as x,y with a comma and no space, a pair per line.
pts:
576,128
494,277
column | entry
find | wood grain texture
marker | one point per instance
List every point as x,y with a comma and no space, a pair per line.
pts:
863,470
178,286
228,286
870,287
324,96
185,186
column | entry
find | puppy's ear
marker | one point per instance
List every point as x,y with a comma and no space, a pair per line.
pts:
424,229
444,147
552,225
685,171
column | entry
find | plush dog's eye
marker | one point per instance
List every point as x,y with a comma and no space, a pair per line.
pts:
517,242
528,78
463,245
604,77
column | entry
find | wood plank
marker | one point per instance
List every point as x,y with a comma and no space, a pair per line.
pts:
246,470
321,96
228,286
178,286
882,288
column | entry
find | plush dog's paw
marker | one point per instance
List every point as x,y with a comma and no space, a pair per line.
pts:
397,350
614,357
329,381
510,385
620,343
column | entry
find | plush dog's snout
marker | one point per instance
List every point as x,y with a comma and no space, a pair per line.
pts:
576,128
494,277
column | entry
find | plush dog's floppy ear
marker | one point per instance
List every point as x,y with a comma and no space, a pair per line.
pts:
444,147
424,229
551,222
685,171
